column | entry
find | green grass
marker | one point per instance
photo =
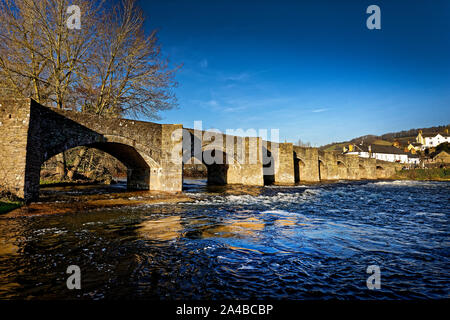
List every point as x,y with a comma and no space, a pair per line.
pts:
336,147
46,181
424,174
6,206
382,142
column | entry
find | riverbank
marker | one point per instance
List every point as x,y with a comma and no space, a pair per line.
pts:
76,182
61,204
6,206
434,174
8,202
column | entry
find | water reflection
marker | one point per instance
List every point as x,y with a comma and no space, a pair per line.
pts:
235,228
7,247
163,229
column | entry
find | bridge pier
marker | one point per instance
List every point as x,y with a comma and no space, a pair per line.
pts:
241,162
18,164
329,166
249,170
228,159
306,164
138,178
279,168
363,168
353,172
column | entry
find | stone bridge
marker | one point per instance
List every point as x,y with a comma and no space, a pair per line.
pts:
155,154
30,134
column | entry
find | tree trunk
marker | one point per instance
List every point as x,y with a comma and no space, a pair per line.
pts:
61,165
76,163
89,167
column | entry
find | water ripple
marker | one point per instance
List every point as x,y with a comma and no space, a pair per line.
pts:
303,242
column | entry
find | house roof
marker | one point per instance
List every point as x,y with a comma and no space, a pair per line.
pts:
432,135
376,148
442,154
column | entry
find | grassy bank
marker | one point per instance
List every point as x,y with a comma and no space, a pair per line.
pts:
8,201
438,174
6,206
75,182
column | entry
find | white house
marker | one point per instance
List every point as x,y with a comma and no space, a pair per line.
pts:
385,153
414,159
431,140
436,140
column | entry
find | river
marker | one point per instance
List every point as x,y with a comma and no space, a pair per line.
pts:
302,242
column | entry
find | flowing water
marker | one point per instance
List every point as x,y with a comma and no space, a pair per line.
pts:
302,242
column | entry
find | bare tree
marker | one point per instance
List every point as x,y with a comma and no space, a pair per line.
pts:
126,73
39,56
109,67
301,143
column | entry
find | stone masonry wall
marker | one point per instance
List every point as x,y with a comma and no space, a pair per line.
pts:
308,164
13,145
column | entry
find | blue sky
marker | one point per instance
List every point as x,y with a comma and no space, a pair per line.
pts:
309,68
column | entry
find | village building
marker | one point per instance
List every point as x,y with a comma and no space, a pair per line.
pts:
382,152
396,144
431,140
442,158
414,159
413,147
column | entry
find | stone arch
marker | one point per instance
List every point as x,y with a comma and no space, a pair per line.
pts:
105,141
268,163
136,158
299,167
142,170
193,155
342,169
341,164
323,171
138,169
220,165
147,153
217,164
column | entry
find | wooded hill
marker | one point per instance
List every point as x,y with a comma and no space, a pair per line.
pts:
388,138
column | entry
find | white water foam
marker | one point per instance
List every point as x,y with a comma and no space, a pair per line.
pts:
403,183
276,211
285,198
302,186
